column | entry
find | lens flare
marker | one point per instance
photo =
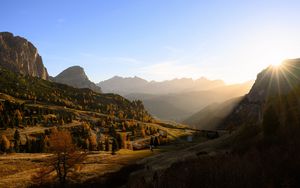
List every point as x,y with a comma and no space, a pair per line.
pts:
276,64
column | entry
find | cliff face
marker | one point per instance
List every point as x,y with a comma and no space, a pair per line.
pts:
20,56
76,77
271,82
275,81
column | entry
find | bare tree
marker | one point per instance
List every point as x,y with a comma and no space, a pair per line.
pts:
62,164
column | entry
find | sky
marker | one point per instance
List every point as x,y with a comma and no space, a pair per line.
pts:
158,39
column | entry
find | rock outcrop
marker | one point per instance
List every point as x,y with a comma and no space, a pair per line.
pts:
75,76
271,82
21,56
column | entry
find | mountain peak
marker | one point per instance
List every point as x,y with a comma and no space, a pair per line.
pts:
21,56
274,81
270,83
74,71
76,67
75,76
125,78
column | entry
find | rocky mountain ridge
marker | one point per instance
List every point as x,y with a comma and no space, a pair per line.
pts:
21,56
129,85
75,76
270,83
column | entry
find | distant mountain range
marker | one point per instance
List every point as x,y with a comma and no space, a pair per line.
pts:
178,106
129,85
76,77
174,99
271,83
260,141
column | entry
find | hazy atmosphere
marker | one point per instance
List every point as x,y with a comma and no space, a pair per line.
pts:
158,40
149,93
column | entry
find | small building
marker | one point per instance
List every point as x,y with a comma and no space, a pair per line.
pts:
212,134
189,138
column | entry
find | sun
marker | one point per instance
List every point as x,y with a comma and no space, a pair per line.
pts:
276,64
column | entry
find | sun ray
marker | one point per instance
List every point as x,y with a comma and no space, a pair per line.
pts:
287,73
270,81
276,64
281,80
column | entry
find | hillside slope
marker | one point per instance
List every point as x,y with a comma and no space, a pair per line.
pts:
212,115
271,82
179,106
35,90
261,152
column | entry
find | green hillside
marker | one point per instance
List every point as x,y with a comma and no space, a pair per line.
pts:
37,91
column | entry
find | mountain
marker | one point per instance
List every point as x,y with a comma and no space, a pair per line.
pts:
122,85
163,109
125,86
41,92
212,115
179,106
21,56
75,76
260,150
174,99
273,82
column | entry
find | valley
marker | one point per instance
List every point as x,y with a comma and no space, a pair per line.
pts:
149,94
176,99
112,131
97,163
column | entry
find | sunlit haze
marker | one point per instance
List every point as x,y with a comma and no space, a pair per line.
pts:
158,40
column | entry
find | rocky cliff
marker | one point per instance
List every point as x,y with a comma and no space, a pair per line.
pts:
20,56
75,76
271,82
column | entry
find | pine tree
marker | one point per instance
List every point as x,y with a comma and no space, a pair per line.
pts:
17,141
119,141
86,144
114,146
100,146
106,144
18,116
93,142
17,135
46,143
156,141
28,145
5,144
2,125
112,131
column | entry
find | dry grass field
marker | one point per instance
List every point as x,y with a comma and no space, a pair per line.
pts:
17,169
